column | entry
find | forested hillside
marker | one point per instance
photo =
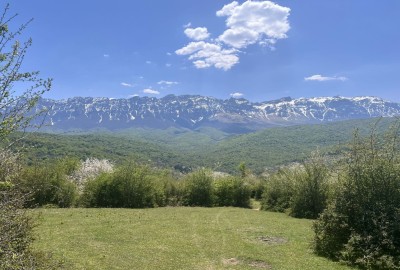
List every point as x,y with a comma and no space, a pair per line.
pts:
204,147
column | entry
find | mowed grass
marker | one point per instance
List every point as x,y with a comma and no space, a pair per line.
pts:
177,238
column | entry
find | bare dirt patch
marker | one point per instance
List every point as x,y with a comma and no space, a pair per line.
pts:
272,240
231,261
256,264
260,265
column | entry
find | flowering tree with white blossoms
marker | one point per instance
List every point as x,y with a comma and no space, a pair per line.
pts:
89,169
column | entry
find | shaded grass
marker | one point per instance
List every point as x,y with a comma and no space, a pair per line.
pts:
177,238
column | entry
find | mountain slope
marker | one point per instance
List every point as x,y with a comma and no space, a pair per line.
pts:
210,148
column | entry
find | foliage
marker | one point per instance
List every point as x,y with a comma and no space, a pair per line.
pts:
311,189
199,188
231,191
49,184
361,225
15,224
131,186
10,165
259,151
16,111
279,190
301,190
89,169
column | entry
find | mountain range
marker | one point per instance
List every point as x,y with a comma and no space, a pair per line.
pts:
193,112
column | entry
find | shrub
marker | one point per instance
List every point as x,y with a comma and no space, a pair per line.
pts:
131,186
311,189
231,191
300,190
361,225
48,184
279,191
15,224
198,188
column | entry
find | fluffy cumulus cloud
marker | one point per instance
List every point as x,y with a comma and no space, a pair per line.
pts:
199,33
205,54
253,22
236,95
320,78
151,91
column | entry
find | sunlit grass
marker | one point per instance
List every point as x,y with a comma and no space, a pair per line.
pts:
178,238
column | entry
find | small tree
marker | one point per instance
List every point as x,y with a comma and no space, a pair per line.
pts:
361,225
17,110
16,113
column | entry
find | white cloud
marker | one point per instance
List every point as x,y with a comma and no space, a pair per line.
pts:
321,78
148,62
127,84
168,65
228,9
151,91
106,55
254,22
236,95
187,25
133,95
204,55
199,33
167,82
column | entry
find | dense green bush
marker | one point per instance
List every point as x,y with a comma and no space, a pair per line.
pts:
311,189
131,186
231,191
199,188
301,190
48,184
279,190
362,224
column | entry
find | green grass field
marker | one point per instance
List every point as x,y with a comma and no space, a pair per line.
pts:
177,238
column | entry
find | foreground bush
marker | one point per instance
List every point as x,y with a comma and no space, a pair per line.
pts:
362,224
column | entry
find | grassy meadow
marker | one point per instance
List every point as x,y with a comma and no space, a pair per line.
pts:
177,238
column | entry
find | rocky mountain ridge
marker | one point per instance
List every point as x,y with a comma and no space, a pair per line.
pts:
193,111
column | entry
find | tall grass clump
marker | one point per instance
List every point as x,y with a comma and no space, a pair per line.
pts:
361,226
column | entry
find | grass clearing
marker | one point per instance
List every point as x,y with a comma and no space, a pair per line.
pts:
177,238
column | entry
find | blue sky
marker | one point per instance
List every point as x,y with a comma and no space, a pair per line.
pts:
259,50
